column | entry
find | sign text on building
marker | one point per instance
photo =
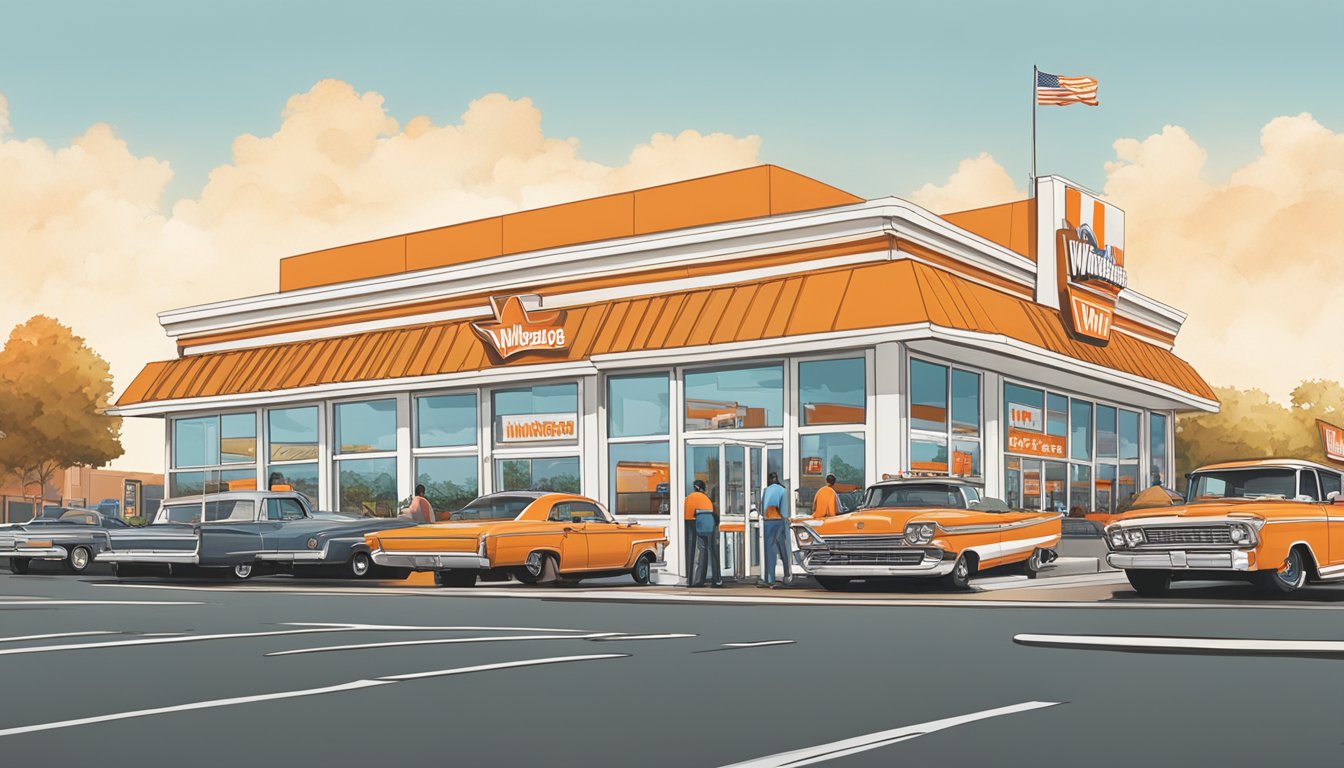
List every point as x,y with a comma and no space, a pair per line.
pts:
1332,440
516,330
538,427
1025,417
1050,446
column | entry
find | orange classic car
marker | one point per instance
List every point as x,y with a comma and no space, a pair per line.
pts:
1278,523
929,527
531,536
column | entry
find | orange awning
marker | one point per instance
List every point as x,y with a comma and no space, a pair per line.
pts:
861,297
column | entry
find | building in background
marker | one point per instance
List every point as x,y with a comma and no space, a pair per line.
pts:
717,328
113,492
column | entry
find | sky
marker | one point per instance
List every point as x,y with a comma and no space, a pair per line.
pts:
204,141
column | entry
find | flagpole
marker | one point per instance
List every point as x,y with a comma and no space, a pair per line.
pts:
1031,182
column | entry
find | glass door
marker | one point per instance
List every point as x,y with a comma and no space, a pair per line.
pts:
734,475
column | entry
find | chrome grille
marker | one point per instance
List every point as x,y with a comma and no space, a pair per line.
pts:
910,557
863,543
1189,534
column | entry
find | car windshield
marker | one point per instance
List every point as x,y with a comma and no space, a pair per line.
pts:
1247,483
940,495
181,513
494,508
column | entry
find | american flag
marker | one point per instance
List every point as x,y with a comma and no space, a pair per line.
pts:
1056,90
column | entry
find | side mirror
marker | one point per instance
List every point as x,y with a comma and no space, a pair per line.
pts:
1334,497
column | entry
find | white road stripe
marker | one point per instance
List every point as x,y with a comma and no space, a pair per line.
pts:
846,747
1188,644
435,629
8,603
619,637
357,684
759,643
26,638
437,641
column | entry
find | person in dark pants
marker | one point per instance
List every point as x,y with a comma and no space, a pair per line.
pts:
775,500
706,549
696,500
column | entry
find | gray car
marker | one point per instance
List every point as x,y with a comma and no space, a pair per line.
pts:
241,533
72,536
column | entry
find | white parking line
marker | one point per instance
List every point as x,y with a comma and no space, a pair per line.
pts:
357,684
621,637
25,638
759,643
21,603
837,749
1187,644
437,641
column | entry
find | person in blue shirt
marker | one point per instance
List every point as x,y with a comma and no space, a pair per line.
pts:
775,501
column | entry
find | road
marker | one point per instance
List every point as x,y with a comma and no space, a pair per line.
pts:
261,673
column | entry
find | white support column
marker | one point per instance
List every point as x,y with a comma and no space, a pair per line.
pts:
870,473
486,434
263,452
676,496
405,462
590,442
167,457
991,447
890,444
326,473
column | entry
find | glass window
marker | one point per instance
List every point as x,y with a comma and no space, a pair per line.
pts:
1057,415
230,510
1107,442
637,405
640,477
284,509
1080,440
928,454
196,442
293,433
553,410
211,481
238,438
1056,487
366,427
1026,408
1306,485
1012,482
1106,489
832,391
559,475
445,420
928,396
494,507
1032,487
577,512
1080,489
1127,485
738,398
702,463
301,478
965,403
367,487
1329,483
1129,435
966,458
450,481
1243,483
838,454
1157,447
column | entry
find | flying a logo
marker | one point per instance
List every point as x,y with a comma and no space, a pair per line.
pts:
515,330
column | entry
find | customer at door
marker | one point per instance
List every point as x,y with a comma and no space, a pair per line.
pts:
827,502
702,537
775,500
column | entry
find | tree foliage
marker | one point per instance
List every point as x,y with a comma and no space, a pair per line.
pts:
53,392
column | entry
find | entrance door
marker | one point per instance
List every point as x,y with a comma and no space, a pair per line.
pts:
734,474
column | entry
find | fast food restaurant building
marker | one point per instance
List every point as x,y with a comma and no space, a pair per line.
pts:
716,328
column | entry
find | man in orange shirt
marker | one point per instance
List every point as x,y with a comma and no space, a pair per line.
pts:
827,502
700,550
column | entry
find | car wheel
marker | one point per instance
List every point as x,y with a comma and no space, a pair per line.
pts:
643,570
18,565
533,569
960,577
1289,577
358,566
833,583
1032,565
242,571
457,578
78,560
1149,583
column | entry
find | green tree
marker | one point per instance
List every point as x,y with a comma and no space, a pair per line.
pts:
54,391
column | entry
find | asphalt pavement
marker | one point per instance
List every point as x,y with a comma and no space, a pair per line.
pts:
286,672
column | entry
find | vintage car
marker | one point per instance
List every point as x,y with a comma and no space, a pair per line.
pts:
71,535
1268,521
531,536
240,533
924,527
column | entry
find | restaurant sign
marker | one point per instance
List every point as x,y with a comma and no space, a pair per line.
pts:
1332,440
538,427
1050,446
516,330
1090,264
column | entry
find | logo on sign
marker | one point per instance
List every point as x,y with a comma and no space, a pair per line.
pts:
538,427
1332,440
1090,318
1051,446
1089,261
515,330
1025,417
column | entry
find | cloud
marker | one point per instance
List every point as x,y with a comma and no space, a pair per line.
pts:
85,237
1256,259
978,181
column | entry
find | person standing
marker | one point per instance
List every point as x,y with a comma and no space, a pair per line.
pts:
827,502
702,537
419,509
775,500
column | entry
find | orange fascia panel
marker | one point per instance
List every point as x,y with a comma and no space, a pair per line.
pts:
726,197
457,244
1008,225
819,302
376,258
792,192
601,218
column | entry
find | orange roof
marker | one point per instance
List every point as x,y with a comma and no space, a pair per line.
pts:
841,299
1010,225
750,193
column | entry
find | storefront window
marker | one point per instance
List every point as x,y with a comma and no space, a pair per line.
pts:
445,420
215,446
832,453
1080,438
1157,447
1107,441
1127,484
832,391
1106,488
965,403
294,477
928,396
196,442
366,427
932,388
1057,415
702,463
928,454
639,475
293,433
966,457
737,398
1129,436
555,475
637,405
450,481
1080,489
211,481
1056,487
547,413
367,487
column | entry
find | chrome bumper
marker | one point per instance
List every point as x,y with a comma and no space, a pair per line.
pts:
1178,560
432,561
930,566
146,556
37,553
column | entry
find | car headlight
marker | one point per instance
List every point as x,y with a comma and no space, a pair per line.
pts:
1117,538
1240,534
312,543
920,533
1134,536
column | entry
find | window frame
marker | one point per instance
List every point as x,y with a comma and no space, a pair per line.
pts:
948,436
171,470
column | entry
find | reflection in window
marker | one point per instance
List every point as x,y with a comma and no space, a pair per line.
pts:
1057,415
1080,489
445,420
1107,441
702,463
366,427
1127,485
637,405
1056,487
211,481
928,396
738,398
1080,441
293,477
1026,408
928,454
965,403
450,481
832,391
559,402
367,487
1157,447
560,475
966,458
1106,488
837,453
640,478
1129,435
293,433
196,442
